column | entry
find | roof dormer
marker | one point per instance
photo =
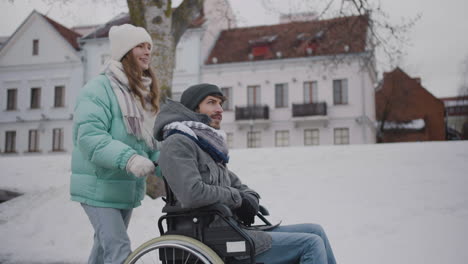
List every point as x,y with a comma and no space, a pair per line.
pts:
307,43
261,47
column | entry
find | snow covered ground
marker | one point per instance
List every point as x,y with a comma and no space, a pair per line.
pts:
380,204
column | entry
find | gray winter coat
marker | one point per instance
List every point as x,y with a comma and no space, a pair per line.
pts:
194,177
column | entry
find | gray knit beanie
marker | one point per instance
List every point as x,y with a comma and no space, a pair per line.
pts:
193,95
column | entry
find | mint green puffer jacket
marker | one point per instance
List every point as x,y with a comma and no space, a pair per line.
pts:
101,150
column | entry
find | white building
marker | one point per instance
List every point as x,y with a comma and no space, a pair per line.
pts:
40,75
197,42
296,83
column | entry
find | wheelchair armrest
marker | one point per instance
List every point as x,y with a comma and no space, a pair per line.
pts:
217,207
222,209
263,211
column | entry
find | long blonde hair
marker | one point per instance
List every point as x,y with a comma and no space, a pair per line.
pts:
134,75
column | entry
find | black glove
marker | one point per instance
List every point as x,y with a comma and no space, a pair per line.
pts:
248,209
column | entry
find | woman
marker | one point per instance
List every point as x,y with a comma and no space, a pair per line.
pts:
113,145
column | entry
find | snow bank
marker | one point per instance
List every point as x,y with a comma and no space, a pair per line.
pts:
386,204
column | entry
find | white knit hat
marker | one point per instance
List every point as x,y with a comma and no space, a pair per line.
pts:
125,37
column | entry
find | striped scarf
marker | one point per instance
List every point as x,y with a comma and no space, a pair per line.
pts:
212,141
132,110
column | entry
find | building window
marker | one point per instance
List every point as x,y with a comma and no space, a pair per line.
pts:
310,92
33,145
340,92
11,99
35,50
311,137
253,139
230,140
341,136
57,139
253,95
227,91
59,98
281,95
282,138
10,141
35,97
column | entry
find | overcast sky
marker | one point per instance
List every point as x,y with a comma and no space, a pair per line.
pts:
438,43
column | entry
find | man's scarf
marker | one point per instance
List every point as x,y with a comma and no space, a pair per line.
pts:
212,141
130,106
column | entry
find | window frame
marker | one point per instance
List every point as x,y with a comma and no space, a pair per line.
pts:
35,47
340,92
256,92
59,102
312,139
338,136
57,140
33,140
310,92
35,102
282,138
227,105
10,141
254,139
281,95
14,101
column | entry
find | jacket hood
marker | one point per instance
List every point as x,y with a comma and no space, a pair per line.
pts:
173,111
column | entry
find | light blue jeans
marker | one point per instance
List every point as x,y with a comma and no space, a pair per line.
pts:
111,242
302,243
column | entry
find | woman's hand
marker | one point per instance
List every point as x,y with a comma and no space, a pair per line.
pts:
140,166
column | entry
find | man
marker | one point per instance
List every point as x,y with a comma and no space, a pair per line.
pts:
194,157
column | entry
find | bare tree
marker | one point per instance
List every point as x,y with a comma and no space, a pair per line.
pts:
463,89
166,26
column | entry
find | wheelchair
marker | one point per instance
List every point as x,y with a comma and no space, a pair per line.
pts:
188,238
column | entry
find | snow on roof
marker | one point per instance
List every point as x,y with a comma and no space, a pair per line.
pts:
416,124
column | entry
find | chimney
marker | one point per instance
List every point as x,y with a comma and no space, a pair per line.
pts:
297,17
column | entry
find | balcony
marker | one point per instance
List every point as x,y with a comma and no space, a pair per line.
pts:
252,112
310,114
253,116
310,109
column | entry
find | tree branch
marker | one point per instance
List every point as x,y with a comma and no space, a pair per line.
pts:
136,10
183,16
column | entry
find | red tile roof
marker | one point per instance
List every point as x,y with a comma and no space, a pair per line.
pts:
291,40
69,35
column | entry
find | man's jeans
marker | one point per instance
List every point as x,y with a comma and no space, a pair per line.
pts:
302,243
111,242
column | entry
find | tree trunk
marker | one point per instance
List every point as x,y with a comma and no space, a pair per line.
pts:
165,30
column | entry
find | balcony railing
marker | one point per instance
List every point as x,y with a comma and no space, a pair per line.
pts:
310,109
252,112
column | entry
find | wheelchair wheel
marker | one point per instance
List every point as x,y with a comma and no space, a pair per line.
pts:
174,249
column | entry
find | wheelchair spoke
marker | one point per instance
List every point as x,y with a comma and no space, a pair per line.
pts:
176,250
173,256
188,256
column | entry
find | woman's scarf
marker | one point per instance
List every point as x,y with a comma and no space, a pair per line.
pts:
132,110
212,141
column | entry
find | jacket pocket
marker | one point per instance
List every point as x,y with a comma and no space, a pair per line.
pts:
206,174
112,191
